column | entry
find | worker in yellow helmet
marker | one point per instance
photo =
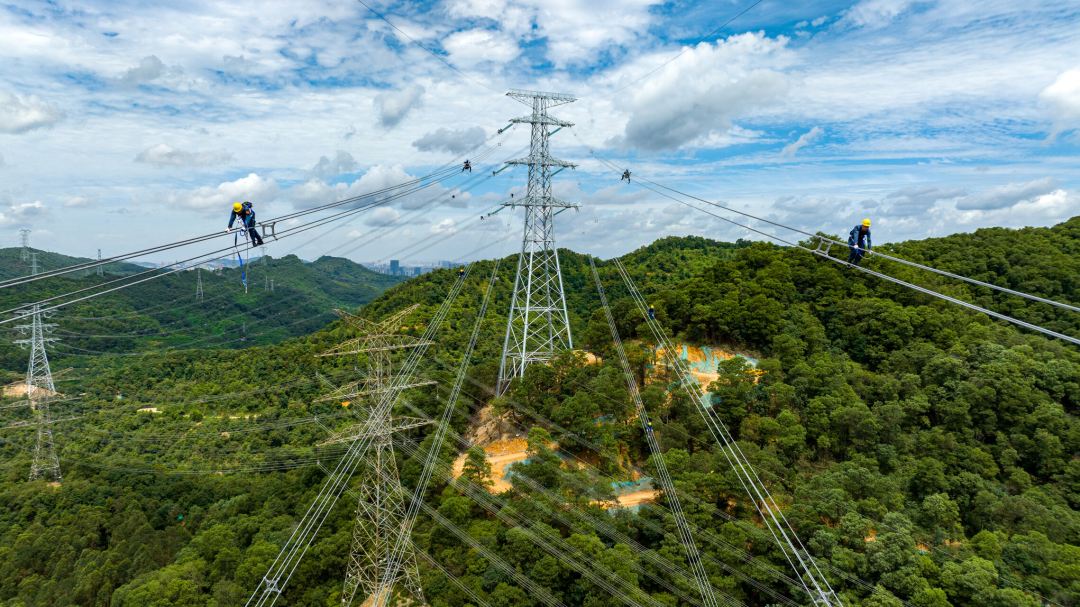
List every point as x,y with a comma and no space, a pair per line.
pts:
246,214
859,242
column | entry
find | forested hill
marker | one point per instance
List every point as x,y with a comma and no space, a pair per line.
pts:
13,265
925,454
165,314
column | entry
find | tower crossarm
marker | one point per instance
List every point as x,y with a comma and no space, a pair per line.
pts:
526,97
541,201
542,119
375,343
362,388
358,431
546,161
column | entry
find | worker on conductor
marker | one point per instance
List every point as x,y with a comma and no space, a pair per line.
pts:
652,312
466,167
247,218
461,272
859,242
625,175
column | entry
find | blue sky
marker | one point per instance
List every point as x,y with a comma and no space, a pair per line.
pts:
125,124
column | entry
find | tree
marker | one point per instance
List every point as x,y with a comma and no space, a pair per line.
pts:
476,468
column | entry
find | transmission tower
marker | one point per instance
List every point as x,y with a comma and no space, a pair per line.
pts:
100,269
24,237
40,388
198,285
538,325
382,502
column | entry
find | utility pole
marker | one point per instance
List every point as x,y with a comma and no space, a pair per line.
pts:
198,285
100,269
24,237
538,325
40,389
381,506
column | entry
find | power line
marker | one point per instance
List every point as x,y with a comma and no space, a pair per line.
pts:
824,254
439,174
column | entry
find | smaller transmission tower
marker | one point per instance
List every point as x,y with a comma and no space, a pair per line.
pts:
198,285
24,237
40,388
380,509
538,325
100,268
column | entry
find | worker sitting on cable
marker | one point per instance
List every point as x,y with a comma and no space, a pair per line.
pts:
625,176
466,167
247,218
652,312
461,272
859,242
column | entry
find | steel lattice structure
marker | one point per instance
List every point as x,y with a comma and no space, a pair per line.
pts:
381,504
538,325
40,389
24,240
198,285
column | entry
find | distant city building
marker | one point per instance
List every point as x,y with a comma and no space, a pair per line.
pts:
417,271
395,267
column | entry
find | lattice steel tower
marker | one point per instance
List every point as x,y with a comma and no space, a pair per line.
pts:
40,389
100,268
382,501
198,285
24,238
538,325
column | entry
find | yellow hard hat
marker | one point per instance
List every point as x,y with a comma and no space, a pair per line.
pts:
866,222
236,206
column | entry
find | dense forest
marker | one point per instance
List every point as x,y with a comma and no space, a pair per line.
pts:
165,314
925,454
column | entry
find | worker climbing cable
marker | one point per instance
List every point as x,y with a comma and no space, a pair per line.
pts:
859,242
246,214
625,176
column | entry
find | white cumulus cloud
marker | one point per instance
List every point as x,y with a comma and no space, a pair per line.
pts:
706,89
382,216
875,13
471,47
453,141
1062,98
150,68
804,140
393,106
1008,195
254,187
165,155
22,113
342,162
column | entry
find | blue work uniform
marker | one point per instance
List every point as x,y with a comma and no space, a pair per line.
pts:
247,217
858,243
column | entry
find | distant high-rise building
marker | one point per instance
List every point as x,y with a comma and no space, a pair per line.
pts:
417,271
395,267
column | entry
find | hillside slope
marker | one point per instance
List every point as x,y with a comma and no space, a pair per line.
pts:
164,313
925,454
